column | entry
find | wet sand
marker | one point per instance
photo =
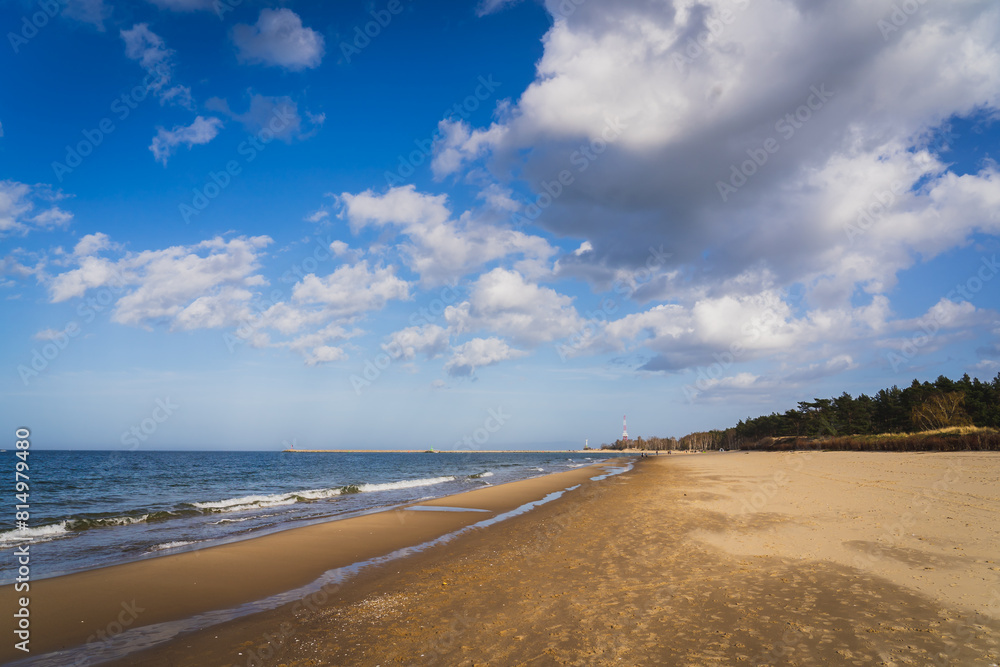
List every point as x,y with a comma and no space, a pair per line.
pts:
711,559
98,607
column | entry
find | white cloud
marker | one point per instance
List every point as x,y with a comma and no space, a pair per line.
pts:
91,244
278,38
439,248
460,144
94,12
201,131
277,117
351,290
150,51
18,213
430,340
315,347
647,123
324,354
477,353
502,301
189,287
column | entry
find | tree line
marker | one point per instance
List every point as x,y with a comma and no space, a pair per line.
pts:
921,407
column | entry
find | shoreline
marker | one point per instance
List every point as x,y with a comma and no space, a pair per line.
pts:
717,559
73,610
621,572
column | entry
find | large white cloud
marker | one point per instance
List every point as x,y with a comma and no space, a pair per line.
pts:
761,146
279,38
689,113
205,285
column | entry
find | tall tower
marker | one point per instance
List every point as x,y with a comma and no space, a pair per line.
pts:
624,430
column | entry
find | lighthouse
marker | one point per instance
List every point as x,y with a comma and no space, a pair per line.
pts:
624,430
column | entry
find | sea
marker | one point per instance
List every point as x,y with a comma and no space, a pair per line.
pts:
89,509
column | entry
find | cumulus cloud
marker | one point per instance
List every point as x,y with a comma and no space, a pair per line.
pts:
477,353
201,131
758,179
206,285
279,38
24,208
439,248
502,301
91,244
429,340
351,289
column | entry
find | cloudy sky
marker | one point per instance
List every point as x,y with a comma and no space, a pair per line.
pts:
247,224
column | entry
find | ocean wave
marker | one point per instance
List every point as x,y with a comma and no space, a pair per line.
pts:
278,499
172,545
480,475
11,538
404,484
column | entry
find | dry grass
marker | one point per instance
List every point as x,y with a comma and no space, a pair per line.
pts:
954,439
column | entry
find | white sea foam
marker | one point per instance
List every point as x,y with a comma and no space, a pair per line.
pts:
10,538
404,484
248,502
278,499
172,545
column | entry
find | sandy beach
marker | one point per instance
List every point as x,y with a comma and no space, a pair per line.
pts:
807,558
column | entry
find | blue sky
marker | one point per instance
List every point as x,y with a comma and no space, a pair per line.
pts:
246,225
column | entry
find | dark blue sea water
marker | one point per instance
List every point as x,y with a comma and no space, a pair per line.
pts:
93,508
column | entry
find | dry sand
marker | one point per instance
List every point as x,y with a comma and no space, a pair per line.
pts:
712,559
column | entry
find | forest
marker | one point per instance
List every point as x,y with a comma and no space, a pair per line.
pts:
941,415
